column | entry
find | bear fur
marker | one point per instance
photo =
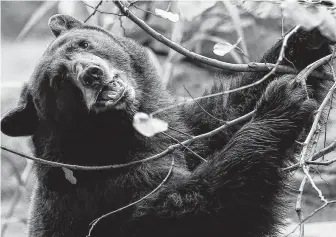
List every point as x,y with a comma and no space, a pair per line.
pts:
237,192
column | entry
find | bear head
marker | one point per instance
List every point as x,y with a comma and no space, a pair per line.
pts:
85,72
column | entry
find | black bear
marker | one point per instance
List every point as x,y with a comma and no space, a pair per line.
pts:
78,107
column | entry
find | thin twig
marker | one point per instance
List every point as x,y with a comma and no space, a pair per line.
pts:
199,105
324,151
326,124
319,209
298,206
328,115
328,162
320,175
168,7
316,156
102,12
194,153
137,201
311,67
94,11
176,130
310,215
306,172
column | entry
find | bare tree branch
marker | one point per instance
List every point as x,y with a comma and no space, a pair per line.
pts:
298,206
251,67
310,215
305,160
306,171
320,109
302,76
194,153
102,12
201,107
324,151
321,162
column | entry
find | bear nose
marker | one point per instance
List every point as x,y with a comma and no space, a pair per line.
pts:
91,75
94,71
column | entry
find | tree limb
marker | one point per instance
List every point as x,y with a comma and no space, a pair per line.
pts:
250,67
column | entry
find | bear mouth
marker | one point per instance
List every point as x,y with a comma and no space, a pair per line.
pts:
111,96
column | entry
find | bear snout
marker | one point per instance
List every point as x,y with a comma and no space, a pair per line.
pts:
92,75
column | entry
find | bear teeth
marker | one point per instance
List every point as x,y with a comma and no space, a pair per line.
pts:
109,103
108,95
112,95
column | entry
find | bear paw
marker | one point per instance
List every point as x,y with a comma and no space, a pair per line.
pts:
284,98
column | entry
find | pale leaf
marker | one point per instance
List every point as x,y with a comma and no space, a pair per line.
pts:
148,126
224,48
167,15
69,175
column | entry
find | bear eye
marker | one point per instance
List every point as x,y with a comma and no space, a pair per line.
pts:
116,76
83,44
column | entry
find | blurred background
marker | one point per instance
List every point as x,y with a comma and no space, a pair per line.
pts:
25,35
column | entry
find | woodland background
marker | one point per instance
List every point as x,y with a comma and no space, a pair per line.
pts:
259,31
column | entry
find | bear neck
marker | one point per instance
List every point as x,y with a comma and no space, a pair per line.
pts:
95,142
91,144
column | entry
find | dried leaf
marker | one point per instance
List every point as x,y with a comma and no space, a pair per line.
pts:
167,15
69,175
224,48
148,126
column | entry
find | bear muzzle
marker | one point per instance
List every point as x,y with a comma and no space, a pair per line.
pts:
102,86
112,93
91,76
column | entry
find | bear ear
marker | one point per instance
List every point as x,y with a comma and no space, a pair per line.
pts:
60,24
22,120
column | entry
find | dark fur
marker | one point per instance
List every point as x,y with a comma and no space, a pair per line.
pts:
236,193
